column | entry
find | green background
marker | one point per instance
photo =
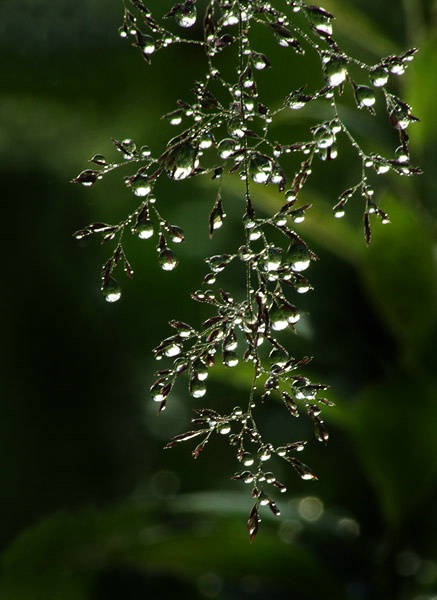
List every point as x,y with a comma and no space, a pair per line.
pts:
91,507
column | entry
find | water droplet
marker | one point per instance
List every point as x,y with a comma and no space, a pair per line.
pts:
270,260
111,290
205,141
247,476
290,196
402,155
303,470
145,151
200,370
181,161
264,453
149,46
167,260
379,76
172,350
381,166
99,159
298,257
335,70
224,428
278,357
87,177
227,147
260,61
236,128
254,234
186,14
175,117
157,392
216,218
278,320
323,136
270,477
177,235
365,96
292,315
197,387
260,168
248,459
278,176
321,432
298,216
230,358
263,499
305,392
128,147
145,229
397,67
320,20
230,342
140,185
302,286
297,99
230,18
218,262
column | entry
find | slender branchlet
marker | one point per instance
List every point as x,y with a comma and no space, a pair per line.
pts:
226,130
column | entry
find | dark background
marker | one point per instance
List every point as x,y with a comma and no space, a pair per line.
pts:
91,507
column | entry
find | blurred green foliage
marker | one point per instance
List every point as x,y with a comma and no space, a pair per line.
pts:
91,506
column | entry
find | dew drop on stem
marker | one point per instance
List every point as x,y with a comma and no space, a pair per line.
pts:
247,459
197,387
145,230
140,185
365,96
148,46
379,76
297,257
111,290
186,14
335,70
167,260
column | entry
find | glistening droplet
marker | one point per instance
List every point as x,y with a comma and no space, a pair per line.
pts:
335,70
365,96
379,76
186,14
111,290
145,230
197,387
181,161
167,260
149,46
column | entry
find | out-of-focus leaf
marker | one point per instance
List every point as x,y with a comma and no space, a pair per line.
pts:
393,429
60,557
400,275
421,92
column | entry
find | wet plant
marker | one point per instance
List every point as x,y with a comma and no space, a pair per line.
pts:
225,134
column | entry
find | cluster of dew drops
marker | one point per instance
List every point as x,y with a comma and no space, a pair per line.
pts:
237,133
